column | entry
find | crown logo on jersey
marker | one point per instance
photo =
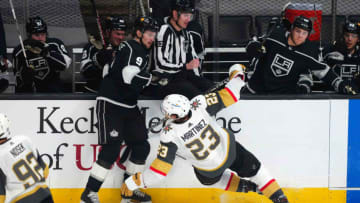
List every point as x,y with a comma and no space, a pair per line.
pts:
167,128
195,104
114,133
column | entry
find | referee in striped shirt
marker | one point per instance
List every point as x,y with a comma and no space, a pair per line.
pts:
175,59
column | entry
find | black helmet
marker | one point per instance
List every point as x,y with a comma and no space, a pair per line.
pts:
115,23
303,23
351,27
184,6
146,23
36,25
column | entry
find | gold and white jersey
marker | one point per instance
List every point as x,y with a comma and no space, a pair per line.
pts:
21,175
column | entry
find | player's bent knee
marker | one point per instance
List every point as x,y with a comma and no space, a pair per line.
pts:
206,180
139,152
109,153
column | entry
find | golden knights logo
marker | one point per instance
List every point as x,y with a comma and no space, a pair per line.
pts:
195,104
281,66
167,128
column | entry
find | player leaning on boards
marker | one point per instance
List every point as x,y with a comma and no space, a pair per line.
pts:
119,118
344,55
22,171
192,132
285,61
46,58
95,56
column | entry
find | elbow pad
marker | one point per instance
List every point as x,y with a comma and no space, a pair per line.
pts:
129,72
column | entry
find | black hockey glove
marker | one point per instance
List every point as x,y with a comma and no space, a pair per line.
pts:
356,79
255,49
348,87
37,47
104,56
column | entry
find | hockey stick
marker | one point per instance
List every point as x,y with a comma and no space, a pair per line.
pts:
98,23
318,23
19,35
217,86
142,8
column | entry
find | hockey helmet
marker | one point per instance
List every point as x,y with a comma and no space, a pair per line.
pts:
146,23
36,25
115,23
351,27
175,104
303,23
183,6
4,126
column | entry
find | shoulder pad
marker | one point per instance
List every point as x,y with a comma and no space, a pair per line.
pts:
198,102
167,133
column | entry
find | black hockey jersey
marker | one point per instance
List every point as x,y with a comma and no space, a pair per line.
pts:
127,76
45,77
280,68
90,68
342,63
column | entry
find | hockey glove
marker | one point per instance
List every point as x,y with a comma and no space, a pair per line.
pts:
37,47
237,70
104,56
255,49
348,87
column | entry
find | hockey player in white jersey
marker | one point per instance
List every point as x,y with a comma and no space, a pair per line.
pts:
22,171
193,133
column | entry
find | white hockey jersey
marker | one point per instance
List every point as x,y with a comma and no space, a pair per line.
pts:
22,177
200,140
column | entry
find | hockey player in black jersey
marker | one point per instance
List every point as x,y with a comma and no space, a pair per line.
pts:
285,62
95,56
176,61
344,55
46,58
119,118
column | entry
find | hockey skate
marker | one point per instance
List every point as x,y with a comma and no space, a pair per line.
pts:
281,199
89,196
137,196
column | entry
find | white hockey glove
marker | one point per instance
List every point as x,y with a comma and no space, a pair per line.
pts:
237,70
132,183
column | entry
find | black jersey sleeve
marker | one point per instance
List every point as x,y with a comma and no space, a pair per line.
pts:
88,67
58,57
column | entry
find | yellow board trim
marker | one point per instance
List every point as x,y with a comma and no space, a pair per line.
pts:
2,198
29,193
208,195
226,97
161,166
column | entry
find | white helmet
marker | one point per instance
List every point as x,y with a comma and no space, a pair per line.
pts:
4,126
175,104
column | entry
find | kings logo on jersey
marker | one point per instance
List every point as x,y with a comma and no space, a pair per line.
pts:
281,66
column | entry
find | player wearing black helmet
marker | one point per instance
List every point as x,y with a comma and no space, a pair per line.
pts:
119,118
286,62
47,57
95,56
344,55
